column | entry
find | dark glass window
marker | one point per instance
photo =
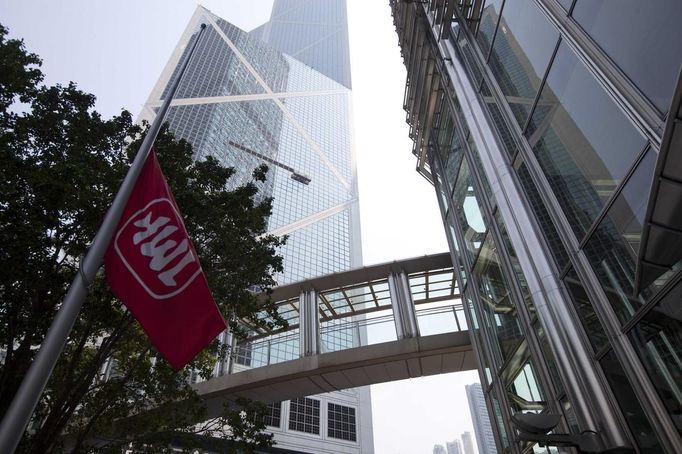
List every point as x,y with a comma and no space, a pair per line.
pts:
643,38
449,147
518,272
497,300
341,422
442,189
521,52
273,414
503,130
465,204
460,116
475,329
583,142
489,18
549,357
304,415
470,62
632,410
482,176
613,248
658,340
556,247
499,419
583,306
450,220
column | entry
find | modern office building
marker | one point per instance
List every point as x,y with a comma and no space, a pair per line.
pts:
439,449
467,443
485,440
550,130
281,95
454,447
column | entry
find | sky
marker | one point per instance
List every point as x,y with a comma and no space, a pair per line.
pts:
117,49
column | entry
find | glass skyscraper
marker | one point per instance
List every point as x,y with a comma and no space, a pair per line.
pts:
550,130
479,416
281,95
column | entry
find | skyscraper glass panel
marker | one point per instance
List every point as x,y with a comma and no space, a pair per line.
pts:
280,96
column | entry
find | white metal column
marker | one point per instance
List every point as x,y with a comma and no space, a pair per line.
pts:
309,324
403,307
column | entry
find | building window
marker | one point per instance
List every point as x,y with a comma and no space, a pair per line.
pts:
658,341
341,422
468,211
632,410
273,414
304,415
499,307
489,18
614,246
556,247
583,306
583,142
638,37
523,46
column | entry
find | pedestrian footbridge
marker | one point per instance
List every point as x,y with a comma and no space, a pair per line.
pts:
360,327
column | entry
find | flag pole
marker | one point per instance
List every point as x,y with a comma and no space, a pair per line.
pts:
25,400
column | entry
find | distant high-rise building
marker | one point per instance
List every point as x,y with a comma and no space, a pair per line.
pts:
550,130
454,447
467,443
439,449
280,95
479,416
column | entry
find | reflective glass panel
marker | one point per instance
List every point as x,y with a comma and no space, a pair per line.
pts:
475,329
549,357
583,306
439,181
489,17
499,419
483,178
521,52
643,38
556,247
470,62
452,235
498,120
523,391
449,146
612,249
632,410
658,340
497,300
468,211
518,272
583,142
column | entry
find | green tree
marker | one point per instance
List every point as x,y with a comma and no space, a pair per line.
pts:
61,166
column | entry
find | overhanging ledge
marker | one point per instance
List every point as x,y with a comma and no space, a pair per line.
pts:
661,243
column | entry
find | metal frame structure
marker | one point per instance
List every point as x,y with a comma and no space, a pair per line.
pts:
440,74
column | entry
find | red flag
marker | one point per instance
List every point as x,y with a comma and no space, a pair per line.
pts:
153,268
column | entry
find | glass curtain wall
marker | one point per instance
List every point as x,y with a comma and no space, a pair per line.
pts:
496,296
584,163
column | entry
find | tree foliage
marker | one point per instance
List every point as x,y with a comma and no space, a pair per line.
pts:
61,166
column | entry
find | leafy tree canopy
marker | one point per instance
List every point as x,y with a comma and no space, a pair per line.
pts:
61,166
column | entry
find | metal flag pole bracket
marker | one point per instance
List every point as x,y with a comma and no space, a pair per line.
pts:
25,400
